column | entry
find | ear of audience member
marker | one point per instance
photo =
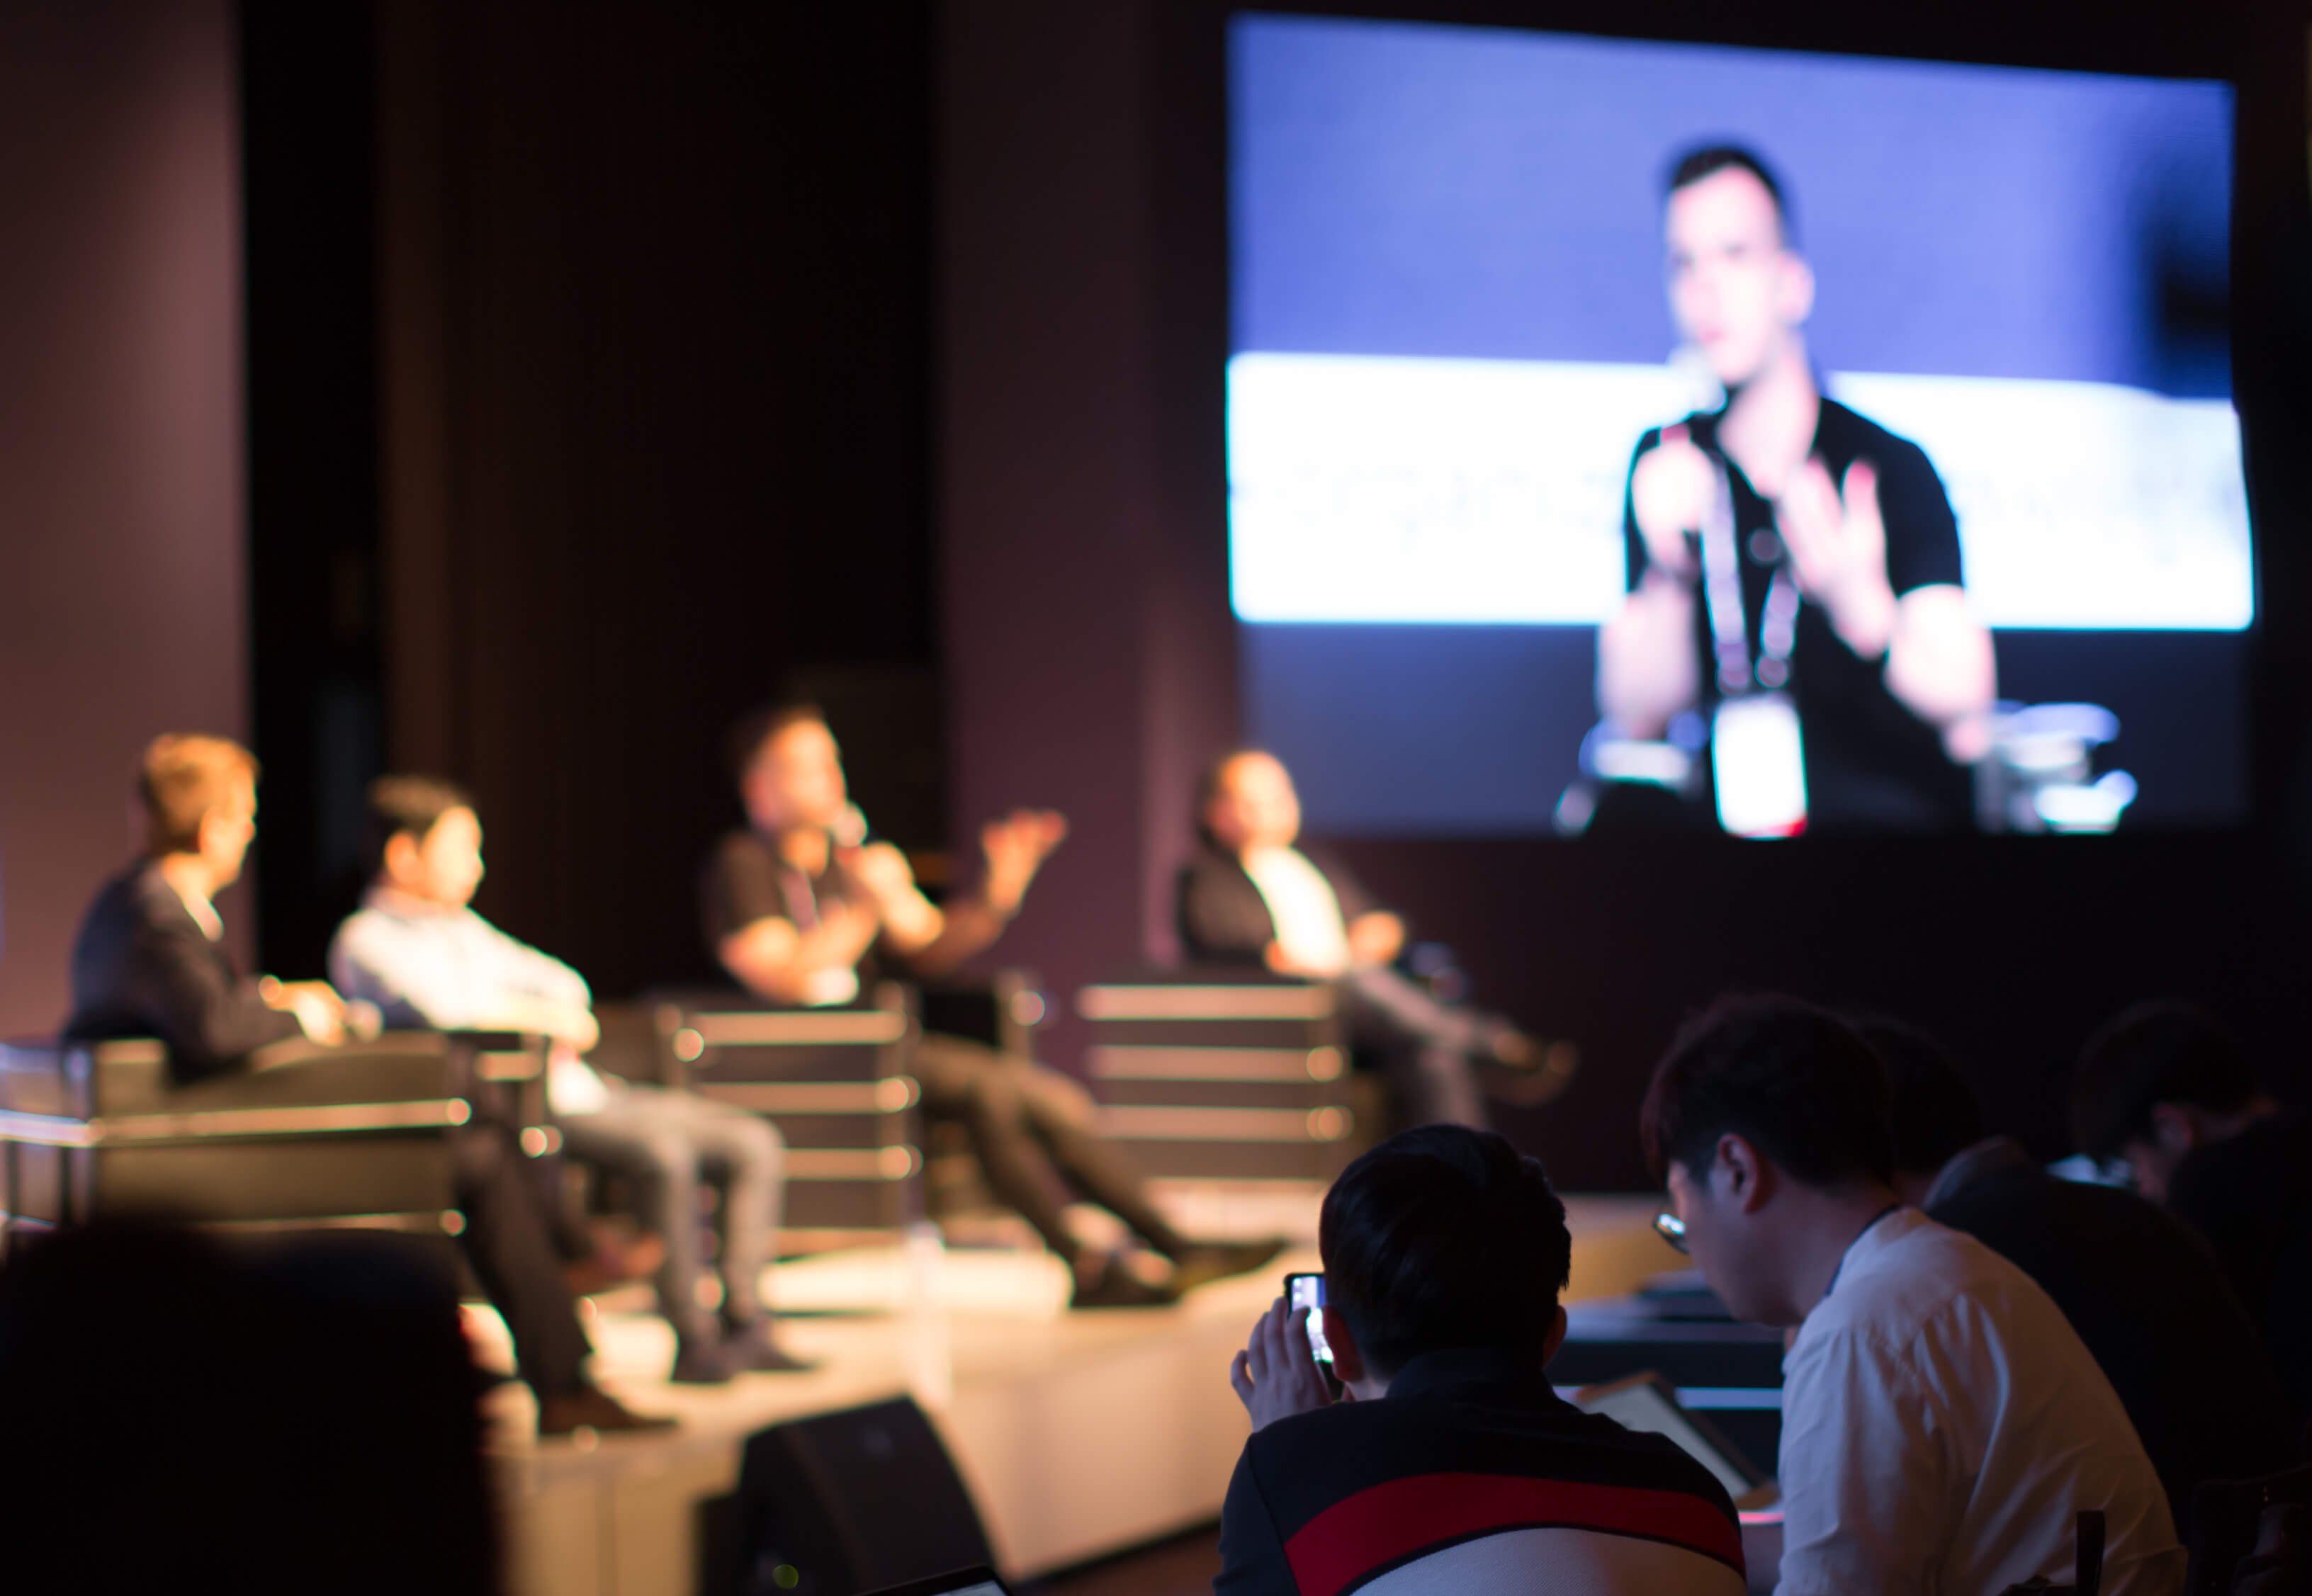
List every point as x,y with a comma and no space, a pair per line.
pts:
174,1416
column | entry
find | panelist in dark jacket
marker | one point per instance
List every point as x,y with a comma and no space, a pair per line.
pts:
150,961
1250,898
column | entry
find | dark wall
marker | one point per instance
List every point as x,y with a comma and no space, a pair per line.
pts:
122,590
654,335
1083,302
1090,660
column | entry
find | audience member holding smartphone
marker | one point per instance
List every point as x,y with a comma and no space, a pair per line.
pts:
1943,1425
1452,1464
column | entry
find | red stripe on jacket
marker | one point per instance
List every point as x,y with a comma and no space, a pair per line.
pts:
1386,1523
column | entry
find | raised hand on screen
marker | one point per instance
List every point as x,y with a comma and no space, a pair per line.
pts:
1670,490
1837,541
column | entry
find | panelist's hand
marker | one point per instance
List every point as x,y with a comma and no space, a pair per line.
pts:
320,1012
1837,540
882,870
1276,1375
1016,847
1670,490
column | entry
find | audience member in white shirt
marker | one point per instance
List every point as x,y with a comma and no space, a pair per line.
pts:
1251,897
1942,1425
418,952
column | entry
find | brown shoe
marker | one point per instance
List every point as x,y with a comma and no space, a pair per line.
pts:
1208,1262
589,1407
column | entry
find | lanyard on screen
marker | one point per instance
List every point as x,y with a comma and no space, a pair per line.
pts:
1721,594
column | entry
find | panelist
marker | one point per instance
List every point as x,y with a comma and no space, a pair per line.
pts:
802,910
1250,897
149,961
1794,568
417,950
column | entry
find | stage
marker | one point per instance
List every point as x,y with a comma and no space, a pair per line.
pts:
1078,1434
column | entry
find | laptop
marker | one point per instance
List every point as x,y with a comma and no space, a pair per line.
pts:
1648,1402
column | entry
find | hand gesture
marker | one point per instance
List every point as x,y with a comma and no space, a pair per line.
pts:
320,1012
881,869
1016,846
1670,491
1276,1375
1837,540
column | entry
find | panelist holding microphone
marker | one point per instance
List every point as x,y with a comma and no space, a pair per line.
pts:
1794,568
799,907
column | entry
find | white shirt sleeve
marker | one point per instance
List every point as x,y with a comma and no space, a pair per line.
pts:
1866,1471
376,959
522,968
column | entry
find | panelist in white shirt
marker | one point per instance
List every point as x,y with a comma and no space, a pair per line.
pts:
417,951
1943,1426
1250,896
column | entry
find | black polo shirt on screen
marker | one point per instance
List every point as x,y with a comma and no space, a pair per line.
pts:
1870,762
1474,1472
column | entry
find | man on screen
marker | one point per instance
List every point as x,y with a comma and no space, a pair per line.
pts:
1785,551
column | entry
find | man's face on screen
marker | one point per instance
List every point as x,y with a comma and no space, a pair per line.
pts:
1738,291
1254,805
797,779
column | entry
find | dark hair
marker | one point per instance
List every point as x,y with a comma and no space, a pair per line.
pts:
307,1422
758,725
2155,1053
1443,1237
1936,1116
1792,1078
405,805
1709,160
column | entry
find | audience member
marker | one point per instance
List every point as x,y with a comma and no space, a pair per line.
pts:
290,1420
800,909
1455,1466
148,962
1942,1423
1250,897
416,949
2136,1284
2167,1091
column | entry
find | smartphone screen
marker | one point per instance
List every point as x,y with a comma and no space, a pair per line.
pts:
1308,1291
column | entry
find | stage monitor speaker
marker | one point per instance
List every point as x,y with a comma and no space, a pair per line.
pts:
841,1503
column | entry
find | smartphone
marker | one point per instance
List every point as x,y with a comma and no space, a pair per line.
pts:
1308,1291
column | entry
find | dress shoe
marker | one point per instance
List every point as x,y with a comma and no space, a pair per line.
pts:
1108,1284
1206,1262
589,1407
698,1362
754,1349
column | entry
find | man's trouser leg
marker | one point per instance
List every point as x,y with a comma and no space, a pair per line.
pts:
510,1244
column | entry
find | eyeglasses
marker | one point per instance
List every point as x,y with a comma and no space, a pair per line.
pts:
1671,1229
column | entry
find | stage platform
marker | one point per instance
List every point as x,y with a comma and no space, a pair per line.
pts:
1078,1434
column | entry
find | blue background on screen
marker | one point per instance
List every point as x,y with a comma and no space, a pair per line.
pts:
1410,190
1402,189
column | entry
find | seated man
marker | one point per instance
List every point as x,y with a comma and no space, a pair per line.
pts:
798,916
1456,1467
2136,1284
417,951
1250,897
1943,1425
148,963
2167,1091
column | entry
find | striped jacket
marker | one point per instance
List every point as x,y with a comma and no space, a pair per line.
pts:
1472,1475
